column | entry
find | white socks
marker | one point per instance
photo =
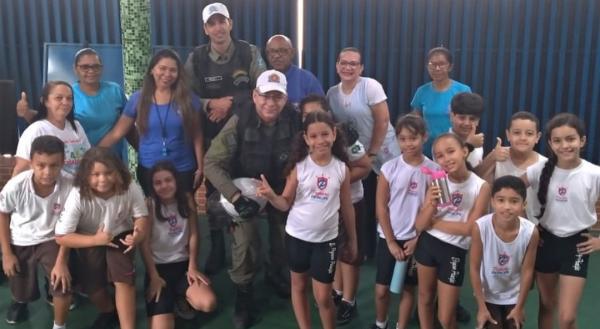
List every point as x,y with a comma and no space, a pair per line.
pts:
56,326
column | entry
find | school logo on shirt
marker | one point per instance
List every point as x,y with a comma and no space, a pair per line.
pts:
412,187
174,228
320,194
503,259
322,182
456,198
561,194
56,208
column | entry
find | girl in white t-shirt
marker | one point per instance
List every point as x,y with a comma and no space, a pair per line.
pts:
316,190
502,257
55,117
170,253
523,134
567,189
105,217
441,250
401,191
345,283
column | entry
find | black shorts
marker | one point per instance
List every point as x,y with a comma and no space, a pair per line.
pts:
318,259
386,262
448,259
559,255
499,313
175,278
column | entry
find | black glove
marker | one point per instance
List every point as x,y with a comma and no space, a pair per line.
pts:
350,133
246,207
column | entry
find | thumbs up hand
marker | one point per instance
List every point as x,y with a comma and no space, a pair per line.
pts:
475,139
501,153
22,105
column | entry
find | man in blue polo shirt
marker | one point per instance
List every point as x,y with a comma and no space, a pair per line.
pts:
280,54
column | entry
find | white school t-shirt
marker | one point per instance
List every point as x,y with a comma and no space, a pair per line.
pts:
314,214
507,167
355,109
76,142
407,186
84,215
501,261
32,218
355,152
170,238
571,199
463,196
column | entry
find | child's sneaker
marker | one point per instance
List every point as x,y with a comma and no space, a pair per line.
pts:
337,298
345,312
374,326
17,312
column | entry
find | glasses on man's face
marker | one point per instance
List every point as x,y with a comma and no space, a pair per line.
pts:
275,97
438,66
90,67
349,64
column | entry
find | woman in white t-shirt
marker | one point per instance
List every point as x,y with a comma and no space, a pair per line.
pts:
55,117
317,190
567,189
441,250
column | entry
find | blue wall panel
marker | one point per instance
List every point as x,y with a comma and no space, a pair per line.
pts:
541,56
25,25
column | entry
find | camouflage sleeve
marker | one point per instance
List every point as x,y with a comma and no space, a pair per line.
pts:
193,81
217,162
257,65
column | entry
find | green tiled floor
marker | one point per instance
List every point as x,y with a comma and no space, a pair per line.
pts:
277,313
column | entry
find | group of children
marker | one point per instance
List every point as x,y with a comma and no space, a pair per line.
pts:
542,210
97,219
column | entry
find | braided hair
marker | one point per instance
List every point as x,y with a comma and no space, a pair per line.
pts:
559,120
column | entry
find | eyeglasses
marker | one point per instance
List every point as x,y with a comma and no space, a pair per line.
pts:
275,97
437,66
350,64
90,67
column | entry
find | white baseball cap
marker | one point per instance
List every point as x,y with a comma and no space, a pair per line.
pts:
212,9
271,80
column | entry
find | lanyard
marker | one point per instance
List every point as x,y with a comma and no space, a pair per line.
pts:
163,126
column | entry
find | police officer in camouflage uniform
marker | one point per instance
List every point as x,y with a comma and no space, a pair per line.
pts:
256,140
223,73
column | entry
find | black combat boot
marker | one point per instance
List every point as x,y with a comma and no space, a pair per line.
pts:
244,315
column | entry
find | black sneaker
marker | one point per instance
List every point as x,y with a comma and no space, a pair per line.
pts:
337,298
374,326
345,312
17,312
106,320
183,309
462,315
50,301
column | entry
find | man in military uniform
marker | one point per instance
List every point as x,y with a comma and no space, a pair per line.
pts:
256,140
223,73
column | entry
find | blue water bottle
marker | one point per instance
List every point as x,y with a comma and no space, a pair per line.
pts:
398,277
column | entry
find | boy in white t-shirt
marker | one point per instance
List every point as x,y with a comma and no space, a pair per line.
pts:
503,250
30,205
465,112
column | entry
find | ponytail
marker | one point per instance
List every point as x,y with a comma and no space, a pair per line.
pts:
542,194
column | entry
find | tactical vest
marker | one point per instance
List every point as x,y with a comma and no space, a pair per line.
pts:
258,154
220,80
